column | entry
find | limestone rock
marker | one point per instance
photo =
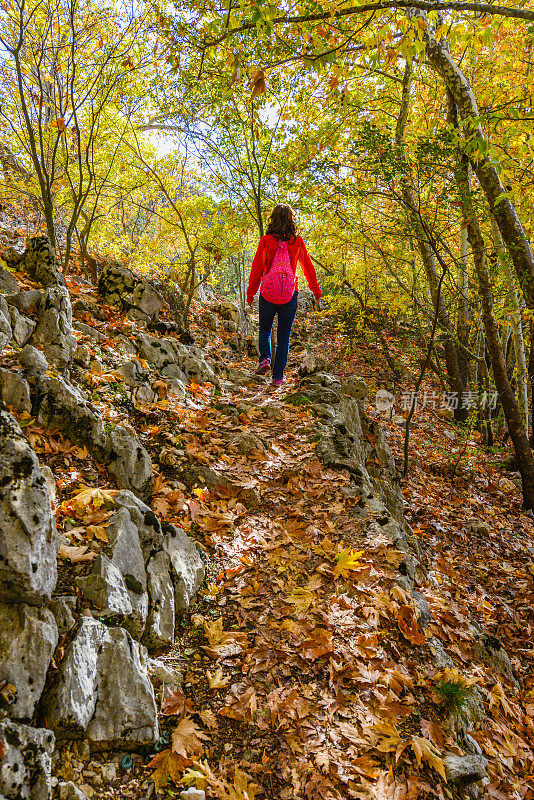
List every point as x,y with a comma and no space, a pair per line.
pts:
82,356
231,311
28,539
465,769
14,391
311,364
27,301
5,323
193,794
53,331
39,262
133,373
128,559
147,299
355,387
8,282
26,769
158,352
306,301
187,566
28,639
490,649
105,588
120,286
163,674
89,331
159,630
22,327
129,462
103,689
144,394
64,608
33,361
147,524
210,321
67,790
63,406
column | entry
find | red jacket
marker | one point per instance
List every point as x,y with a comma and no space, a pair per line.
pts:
264,257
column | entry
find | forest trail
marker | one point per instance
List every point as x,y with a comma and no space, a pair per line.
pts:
307,673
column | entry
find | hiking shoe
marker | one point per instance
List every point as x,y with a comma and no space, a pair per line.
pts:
263,367
277,384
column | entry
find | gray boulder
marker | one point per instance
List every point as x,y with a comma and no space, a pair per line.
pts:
64,608
26,769
28,639
62,405
133,373
105,588
33,361
103,690
232,312
27,301
22,327
355,387
14,391
147,299
147,524
306,301
465,769
8,282
129,462
53,331
159,631
186,563
39,262
89,331
128,559
28,539
311,363
158,352
5,323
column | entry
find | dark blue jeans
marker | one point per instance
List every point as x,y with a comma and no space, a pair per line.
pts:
286,315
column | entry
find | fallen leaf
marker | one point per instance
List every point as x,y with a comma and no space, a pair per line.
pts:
176,703
424,749
408,625
186,738
216,679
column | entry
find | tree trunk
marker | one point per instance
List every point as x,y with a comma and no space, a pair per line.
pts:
515,324
501,207
518,434
426,252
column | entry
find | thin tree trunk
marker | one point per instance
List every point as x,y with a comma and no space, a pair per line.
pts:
518,434
501,207
515,324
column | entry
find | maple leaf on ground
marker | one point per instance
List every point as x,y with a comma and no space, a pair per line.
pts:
93,497
408,625
216,680
176,703
186,738
318,644
223,643
75,554
167,766
347,561
434,732
208,718
424,749
302,599
243,788
242,708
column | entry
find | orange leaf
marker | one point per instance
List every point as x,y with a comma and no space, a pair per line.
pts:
408,625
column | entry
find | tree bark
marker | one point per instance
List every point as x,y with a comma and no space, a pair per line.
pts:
501,207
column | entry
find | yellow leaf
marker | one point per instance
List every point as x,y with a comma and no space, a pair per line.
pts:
347,560
302,599
216,679
424,749
167,766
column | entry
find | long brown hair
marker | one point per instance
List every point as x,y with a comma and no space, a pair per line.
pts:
282,223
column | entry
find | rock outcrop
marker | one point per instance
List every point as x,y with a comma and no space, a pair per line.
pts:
120,286
26,768
28,539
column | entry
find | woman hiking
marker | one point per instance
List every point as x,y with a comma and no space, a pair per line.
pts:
275,267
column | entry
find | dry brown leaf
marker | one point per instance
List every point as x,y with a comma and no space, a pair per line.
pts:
424,749
75,554
408,625
209,719
216,680
186,738
176,703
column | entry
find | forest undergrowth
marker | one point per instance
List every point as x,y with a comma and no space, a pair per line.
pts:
306,673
